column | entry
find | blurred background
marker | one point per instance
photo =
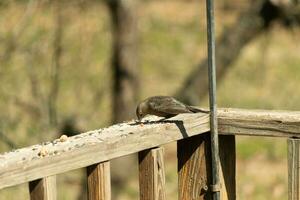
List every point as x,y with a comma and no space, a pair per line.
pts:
71,66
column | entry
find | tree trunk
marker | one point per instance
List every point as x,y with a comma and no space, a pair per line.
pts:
249,25
125,80
124,59
56,64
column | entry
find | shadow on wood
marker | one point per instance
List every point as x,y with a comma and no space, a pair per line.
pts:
194,167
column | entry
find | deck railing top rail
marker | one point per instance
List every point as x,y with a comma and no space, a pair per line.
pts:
61,155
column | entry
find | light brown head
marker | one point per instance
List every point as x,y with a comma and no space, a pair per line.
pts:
142,110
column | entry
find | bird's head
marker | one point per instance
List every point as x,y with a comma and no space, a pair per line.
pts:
141,110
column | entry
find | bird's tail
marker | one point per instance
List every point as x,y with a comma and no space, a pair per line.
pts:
196,110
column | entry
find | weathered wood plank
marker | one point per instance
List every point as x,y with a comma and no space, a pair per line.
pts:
194,176
228,167
98,180
293,169
79,151
194,161
152,174
56,157
43,189
259,122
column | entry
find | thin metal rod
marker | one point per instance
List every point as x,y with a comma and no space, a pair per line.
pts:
212,99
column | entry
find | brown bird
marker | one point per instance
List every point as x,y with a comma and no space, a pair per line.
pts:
163,106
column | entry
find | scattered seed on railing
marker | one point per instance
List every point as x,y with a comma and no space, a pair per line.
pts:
54,142
45,143
43,152
63,138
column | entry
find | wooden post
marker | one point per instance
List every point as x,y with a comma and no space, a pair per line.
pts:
193,167
293,169
228,167
194,171
98,176
152,174
43,189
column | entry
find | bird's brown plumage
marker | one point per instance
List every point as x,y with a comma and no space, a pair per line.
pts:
163,106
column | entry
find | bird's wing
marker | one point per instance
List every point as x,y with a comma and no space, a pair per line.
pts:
168,105
196,110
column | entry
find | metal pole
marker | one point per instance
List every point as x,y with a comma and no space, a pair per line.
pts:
215,187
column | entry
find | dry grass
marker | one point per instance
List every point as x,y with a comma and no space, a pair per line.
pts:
172,42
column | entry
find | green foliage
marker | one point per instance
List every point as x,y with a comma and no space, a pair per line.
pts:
272,149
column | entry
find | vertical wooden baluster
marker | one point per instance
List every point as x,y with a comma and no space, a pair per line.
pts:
228,167
98,176
293,169
194,172
194,167
43,189
152,174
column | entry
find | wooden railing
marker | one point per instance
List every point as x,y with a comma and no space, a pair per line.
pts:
38,164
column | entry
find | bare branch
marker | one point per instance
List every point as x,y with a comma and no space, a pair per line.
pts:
56,65
257,19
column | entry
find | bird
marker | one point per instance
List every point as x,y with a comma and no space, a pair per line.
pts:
163,106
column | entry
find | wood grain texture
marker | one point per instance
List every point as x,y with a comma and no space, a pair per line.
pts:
43,189
152,174
194,168
27,164
259,122
293,169
194,176
98,180
82,150
227,152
